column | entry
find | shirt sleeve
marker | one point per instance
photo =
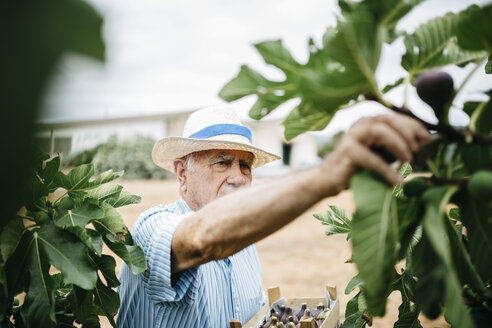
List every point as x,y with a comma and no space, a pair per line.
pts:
155,236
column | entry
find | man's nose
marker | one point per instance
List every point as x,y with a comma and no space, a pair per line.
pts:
236,176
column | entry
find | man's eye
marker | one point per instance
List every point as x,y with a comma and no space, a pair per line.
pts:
222,163
246,166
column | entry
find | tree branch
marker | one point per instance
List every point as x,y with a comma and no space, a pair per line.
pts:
451,133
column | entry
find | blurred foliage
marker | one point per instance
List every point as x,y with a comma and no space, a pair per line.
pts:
328,146
37,35
63,224
133,156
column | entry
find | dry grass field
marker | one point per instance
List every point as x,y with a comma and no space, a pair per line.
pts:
299,258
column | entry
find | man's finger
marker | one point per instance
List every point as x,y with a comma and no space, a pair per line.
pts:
364,158
382,134
408,128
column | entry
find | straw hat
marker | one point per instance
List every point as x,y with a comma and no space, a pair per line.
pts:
209,128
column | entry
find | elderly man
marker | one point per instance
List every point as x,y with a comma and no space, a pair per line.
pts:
203,268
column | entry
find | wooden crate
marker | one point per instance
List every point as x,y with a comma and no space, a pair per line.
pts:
331,320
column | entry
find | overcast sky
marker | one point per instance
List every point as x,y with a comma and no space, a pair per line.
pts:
176,55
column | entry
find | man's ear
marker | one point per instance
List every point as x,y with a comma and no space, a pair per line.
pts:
180,171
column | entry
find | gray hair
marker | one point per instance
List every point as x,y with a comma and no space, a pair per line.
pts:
189,161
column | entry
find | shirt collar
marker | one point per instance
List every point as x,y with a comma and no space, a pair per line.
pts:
184,205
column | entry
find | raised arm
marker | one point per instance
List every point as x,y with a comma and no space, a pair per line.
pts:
232,222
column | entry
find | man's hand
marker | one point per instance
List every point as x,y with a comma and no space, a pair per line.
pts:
398,134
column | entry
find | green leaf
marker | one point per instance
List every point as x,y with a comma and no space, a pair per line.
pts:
67,254
434,45
407,312
338,222
474,28
475,216
454,214
107,265
106,177
488,66
246,83
430,283
357,47
89,237
124,198
81,303
18,265
409,215
249,82
10,238
133,255
352,315
396,10
104,192
354,283
476,157
79,216
34,192
434,226
39,305
374,236
305,118
408,316
466,270
405,170
274,53
333,76
77,179
48,173
108,300
111,221
76,182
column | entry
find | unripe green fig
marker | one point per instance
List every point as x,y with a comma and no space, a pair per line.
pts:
415,187
436,90
480,185
16,302
41,217
67,203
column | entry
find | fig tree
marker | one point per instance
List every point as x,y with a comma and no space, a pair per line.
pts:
480,185
436,90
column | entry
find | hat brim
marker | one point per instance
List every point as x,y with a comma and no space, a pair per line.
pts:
168,149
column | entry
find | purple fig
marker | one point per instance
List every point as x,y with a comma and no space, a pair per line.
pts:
436,90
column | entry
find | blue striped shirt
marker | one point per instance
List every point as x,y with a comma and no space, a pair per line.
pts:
209,295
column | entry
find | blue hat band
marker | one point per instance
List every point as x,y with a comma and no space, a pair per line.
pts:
219,129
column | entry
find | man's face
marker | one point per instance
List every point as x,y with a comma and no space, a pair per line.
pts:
216,173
